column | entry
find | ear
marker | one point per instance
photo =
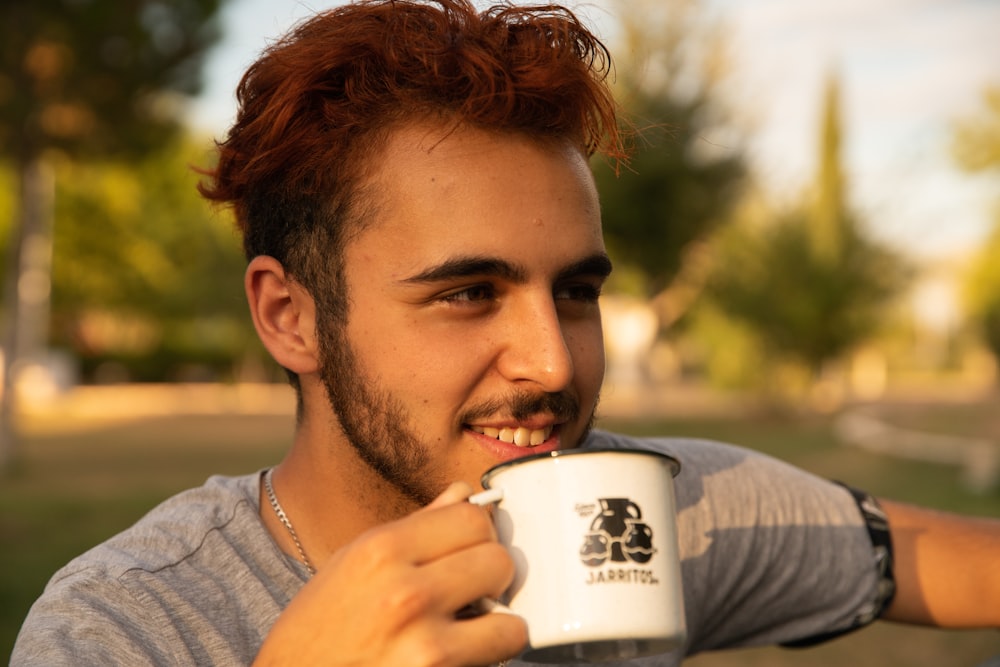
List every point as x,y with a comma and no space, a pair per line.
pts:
284,315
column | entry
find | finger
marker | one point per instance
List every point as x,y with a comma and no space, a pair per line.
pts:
487,639
429,534
481,641
460,579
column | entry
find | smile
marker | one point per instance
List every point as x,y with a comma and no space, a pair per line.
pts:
521,436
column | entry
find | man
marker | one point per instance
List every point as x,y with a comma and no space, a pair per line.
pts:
425,260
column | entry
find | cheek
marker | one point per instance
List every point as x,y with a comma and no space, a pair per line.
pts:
586,345
420,365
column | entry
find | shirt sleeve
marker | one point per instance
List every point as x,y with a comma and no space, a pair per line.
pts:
85,618
770,554
877,525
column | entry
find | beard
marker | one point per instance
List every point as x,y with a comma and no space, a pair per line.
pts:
378,427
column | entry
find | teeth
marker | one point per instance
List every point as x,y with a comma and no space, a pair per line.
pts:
521,436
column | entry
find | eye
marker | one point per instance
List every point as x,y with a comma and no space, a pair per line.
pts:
472,294
582,292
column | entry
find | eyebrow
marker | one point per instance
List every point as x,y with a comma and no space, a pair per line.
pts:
462,267
598,265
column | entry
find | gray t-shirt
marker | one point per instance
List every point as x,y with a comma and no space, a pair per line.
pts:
770,554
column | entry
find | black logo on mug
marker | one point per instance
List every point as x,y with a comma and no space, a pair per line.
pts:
617,534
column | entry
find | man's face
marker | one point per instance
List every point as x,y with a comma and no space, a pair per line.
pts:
473,334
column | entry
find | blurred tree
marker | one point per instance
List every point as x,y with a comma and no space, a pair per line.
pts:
81,78
809,283
679,185
136,286
93,77
977,149
977,139
981,292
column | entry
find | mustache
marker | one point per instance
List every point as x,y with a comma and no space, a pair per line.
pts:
520,405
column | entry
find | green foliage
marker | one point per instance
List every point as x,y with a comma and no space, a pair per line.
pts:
977,149
977,139
94,76
801,305
808,281
91,81
725,349
678,186
665,201
830,210
7,189
142,266
982,292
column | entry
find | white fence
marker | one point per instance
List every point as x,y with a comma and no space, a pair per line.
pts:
978,458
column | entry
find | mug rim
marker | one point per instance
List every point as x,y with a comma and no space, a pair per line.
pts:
675,464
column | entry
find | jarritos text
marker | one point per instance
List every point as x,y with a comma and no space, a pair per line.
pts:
617,535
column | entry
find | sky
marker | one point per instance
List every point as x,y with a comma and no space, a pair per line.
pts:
908,70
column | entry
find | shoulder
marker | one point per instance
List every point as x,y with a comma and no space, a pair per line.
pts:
725,485
173,530
702,455
718,474
124,600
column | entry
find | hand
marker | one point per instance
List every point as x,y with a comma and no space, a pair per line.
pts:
391,596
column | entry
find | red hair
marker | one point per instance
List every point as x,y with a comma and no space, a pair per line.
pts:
313,106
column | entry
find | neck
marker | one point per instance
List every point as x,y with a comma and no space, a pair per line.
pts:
328,493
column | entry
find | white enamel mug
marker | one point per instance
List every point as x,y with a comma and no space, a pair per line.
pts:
594,540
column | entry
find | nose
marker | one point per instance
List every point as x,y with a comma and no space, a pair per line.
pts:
535,349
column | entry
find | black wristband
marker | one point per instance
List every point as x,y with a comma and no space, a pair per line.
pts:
881,537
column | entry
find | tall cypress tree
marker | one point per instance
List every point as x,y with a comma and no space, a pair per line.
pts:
830,221
810,283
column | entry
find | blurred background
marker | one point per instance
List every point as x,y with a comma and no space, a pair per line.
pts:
803,246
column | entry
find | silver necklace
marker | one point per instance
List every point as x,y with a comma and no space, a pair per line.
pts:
280,512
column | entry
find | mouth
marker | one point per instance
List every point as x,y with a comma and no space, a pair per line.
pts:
520,436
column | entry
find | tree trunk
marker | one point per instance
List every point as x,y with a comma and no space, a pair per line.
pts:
27,290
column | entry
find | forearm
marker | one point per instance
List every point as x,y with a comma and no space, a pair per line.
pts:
947,568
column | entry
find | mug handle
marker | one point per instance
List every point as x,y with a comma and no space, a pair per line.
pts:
487,497
485,605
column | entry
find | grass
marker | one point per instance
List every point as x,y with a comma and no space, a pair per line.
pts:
969,419
77,483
